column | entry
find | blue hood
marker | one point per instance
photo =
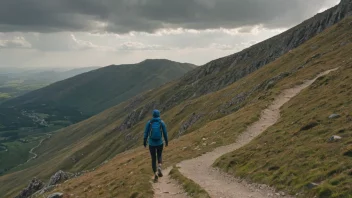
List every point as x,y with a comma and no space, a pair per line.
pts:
156,113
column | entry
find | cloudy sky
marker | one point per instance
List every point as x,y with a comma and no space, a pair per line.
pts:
77,33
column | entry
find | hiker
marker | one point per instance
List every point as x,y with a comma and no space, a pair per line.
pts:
154,131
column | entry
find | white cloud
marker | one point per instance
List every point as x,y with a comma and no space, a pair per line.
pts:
16,42
140,46
88,45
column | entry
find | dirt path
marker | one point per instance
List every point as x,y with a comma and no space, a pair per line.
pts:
219,184
168,188
40,143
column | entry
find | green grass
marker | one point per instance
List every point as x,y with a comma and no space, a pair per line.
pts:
192,188
16,153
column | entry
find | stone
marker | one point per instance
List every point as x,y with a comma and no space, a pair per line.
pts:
59,177
332,116
34,186
56,195
334,138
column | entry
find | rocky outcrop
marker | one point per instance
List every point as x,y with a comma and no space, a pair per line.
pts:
32,187
37,187
136,116
59,177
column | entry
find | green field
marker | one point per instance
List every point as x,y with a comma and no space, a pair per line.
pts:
16,153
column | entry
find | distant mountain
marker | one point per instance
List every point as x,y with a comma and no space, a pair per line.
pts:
18,81
84,95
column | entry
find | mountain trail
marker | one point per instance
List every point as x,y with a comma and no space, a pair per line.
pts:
40,143
222,185
168,188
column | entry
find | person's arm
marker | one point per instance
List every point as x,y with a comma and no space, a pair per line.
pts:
165,133
146,130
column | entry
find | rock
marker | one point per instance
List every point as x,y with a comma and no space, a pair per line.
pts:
34,186
44,190
56,195
334,138
312,185
332,116
59,177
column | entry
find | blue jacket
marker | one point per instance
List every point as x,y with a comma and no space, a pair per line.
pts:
156,117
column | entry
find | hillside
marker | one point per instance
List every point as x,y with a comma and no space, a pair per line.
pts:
202,104
97,90
226,113
26,119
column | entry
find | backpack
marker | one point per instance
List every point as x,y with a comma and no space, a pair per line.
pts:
155,130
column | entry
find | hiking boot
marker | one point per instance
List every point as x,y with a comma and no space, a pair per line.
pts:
156,178
160,174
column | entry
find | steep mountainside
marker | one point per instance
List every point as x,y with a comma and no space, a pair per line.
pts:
217,119
187,108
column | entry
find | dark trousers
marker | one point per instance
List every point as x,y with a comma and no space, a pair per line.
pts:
156,151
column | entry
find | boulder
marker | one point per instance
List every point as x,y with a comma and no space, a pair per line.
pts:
32,187
59,177
56,195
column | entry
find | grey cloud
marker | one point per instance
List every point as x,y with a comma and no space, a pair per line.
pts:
122,16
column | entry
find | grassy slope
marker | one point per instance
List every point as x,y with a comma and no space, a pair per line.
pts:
115,179
288,157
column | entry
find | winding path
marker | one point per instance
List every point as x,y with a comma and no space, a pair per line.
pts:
222,185
40,143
